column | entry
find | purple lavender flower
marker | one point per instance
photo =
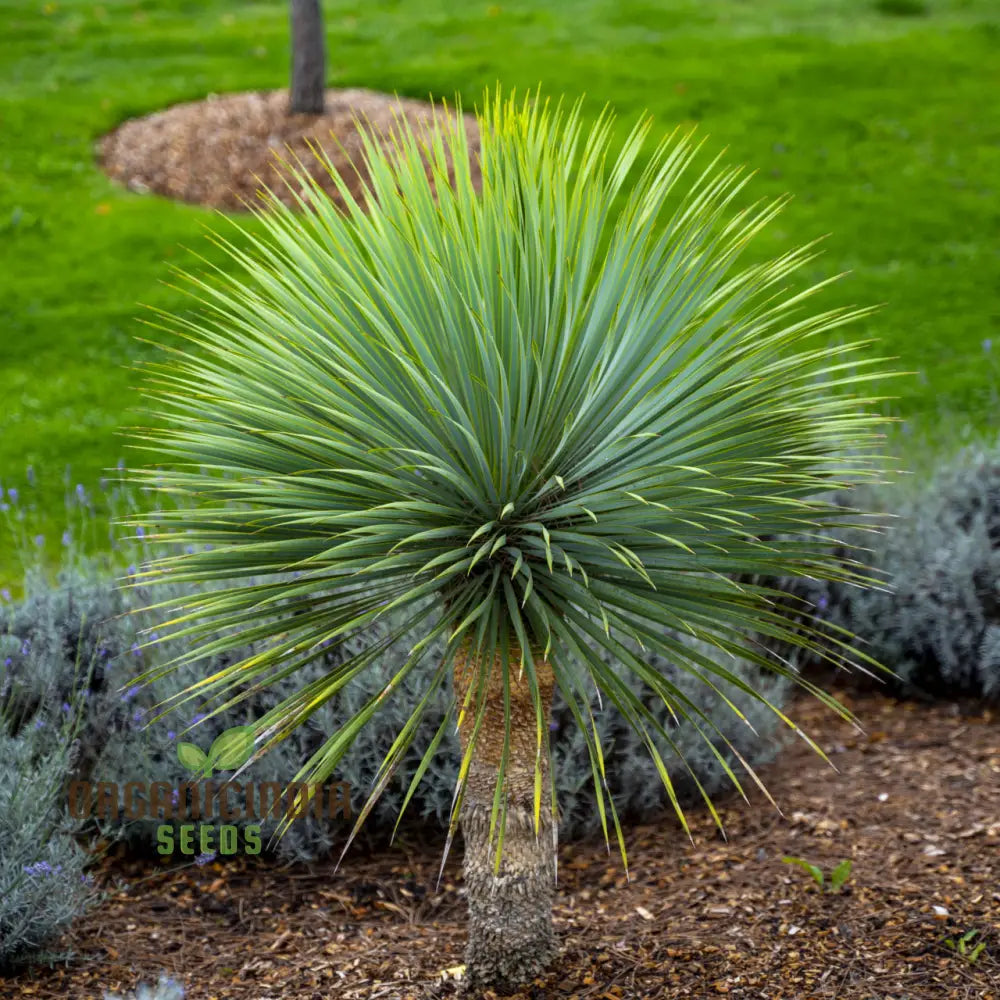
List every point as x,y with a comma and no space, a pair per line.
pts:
131,693
988,345
67,538
175,797
7,662
66,707
5,594
140,532
822,603
195,719
39,540
42,868
171,735
203,859
81,493
136,651
12,494
25,647
131,570
189,549
39,723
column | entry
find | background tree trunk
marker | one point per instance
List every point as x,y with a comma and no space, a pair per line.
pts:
510,913
308,57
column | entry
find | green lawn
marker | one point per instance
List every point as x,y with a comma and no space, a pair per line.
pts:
883,120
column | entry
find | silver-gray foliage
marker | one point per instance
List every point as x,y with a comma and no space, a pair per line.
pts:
55,629
936,621
43,887
165,989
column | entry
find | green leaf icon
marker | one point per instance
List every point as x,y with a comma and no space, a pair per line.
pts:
192,757
232,748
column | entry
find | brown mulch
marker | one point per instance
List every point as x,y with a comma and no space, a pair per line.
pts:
222,150
915,806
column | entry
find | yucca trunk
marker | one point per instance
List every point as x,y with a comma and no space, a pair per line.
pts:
510,912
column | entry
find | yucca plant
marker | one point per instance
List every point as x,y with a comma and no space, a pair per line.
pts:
533,407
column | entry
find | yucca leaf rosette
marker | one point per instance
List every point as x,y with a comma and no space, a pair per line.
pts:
541,412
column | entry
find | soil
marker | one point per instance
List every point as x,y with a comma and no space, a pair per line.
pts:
221,151
914,804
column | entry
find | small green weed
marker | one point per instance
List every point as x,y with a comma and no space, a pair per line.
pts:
967,946
837,878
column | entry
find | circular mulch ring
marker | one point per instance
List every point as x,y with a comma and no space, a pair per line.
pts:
221,151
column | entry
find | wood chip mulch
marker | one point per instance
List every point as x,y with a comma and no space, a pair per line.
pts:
915,806
222,150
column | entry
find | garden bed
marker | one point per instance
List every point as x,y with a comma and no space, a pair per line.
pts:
221,151
915,805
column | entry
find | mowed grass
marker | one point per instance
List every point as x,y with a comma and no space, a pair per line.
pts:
882,119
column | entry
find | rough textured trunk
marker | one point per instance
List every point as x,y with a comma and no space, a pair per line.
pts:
308,58
510,913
